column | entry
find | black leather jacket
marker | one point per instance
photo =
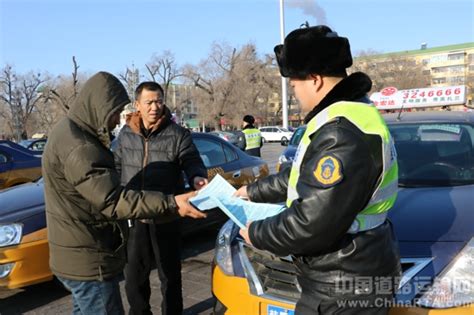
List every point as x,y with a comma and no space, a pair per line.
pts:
314,228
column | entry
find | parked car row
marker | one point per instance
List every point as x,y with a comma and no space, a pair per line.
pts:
24,252
433,220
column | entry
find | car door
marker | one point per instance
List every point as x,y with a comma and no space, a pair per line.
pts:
5,167
221,158
273,135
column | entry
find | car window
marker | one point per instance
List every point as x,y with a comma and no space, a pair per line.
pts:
263,129
24,143
273,130
296,138
3,158
212,153
284,129
38,146
230,154
434,154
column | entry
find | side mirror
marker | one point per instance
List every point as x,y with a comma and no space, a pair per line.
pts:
284,142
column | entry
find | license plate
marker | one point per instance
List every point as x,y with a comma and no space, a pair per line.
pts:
276,310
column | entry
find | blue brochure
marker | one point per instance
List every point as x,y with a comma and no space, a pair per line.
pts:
219,194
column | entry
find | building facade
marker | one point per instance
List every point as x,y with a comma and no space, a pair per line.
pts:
451,65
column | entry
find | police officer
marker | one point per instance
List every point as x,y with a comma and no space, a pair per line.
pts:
251,139
338,191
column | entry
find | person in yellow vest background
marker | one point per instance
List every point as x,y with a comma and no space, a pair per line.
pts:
250,140
342,182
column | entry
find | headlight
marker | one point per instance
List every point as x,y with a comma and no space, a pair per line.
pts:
10,234
455,286
5,269
282,159
223,247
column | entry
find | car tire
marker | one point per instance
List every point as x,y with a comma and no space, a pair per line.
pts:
284,139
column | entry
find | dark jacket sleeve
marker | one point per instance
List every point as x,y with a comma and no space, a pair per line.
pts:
241,143
190,159
271,189
92,173
322,215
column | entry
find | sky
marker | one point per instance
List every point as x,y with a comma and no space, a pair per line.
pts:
111,35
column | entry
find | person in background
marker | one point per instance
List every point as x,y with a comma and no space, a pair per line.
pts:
152,152
342,182
250,138
86,207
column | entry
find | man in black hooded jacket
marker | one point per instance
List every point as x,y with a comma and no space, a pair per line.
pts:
86,207
342,183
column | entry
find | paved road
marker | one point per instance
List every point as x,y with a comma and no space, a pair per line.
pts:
51,298
198,252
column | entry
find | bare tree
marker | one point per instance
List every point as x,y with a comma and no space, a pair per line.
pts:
65,94
20,94
230,82
164,70
46,114
391,70
130,78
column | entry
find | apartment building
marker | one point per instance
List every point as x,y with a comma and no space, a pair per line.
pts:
451,65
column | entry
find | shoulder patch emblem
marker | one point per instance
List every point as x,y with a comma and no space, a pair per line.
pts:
328,171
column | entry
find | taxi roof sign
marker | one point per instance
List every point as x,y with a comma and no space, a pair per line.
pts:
391,98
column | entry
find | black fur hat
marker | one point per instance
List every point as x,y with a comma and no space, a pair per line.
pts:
249,119
313,50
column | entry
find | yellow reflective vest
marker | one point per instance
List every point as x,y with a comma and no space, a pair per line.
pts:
253,138
368,119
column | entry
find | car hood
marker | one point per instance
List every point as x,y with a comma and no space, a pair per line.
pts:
434,214
22,201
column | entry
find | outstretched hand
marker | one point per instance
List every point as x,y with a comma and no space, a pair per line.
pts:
245,234
185,209
242,192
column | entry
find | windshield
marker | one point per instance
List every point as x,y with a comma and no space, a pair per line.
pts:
25,143
296,138
434,154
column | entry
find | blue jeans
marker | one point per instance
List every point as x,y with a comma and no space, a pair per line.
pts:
95,297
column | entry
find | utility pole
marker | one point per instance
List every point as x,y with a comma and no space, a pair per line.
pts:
284,92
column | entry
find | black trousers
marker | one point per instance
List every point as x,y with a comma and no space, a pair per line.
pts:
151,245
